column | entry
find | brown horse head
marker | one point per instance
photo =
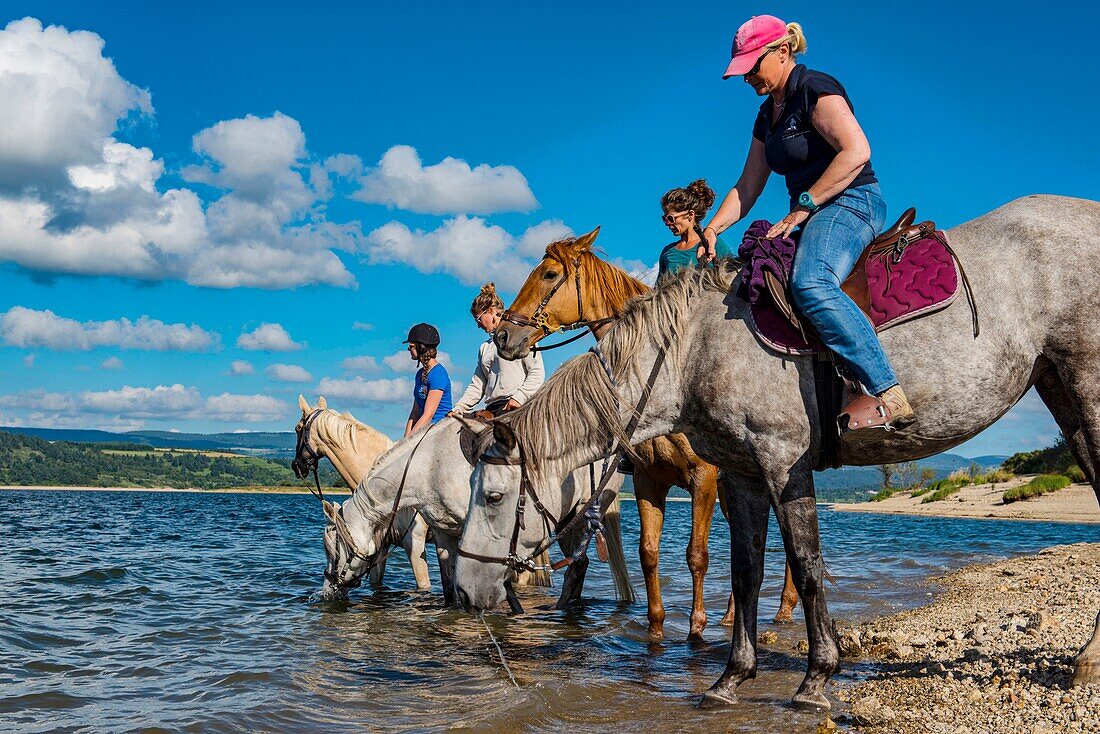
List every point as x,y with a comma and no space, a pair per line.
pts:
570,287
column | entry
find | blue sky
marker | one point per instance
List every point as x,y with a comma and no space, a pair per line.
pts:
206,209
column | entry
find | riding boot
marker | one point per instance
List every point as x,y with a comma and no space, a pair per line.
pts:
901,412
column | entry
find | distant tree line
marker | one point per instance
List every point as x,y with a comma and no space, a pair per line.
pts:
29,461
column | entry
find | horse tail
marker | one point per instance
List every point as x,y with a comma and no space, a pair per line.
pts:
616,558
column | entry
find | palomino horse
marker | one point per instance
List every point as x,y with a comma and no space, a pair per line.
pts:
353,447
429,473
1034,265
573,288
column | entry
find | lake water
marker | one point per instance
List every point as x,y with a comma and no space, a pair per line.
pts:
190,612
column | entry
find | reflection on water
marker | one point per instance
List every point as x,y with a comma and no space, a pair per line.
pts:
132,611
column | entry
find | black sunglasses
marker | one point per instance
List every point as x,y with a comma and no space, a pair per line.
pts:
756,67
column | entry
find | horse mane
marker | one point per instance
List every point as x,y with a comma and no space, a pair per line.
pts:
606,278
579,397
344,427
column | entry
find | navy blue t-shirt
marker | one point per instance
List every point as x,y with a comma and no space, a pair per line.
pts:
438,379
793,147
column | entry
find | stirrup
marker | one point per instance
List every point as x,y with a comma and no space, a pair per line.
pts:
864,412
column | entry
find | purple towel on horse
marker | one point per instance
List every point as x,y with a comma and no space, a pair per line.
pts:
761,253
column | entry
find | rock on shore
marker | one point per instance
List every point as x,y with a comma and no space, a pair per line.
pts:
994,653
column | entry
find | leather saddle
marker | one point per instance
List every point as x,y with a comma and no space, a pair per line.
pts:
891,243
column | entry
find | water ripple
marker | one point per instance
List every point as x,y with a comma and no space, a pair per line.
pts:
208,620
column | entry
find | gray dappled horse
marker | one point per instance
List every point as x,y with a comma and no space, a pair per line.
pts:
1034,265
434,471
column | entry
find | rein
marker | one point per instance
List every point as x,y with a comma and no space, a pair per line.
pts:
586,513
539,320
308,459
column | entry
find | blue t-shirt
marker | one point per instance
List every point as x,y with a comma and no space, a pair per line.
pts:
673,259
438,379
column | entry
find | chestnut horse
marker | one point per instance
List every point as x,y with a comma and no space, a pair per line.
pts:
573,288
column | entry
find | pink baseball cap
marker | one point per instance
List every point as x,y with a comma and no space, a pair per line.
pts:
756,33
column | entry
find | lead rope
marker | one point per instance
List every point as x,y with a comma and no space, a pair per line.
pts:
500,652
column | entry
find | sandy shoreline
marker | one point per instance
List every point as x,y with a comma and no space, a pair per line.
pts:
993,653
1076,503
228,490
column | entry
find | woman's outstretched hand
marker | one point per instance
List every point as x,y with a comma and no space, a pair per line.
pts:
705,252
786,225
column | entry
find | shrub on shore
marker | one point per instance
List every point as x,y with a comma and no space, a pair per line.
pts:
946,487
1054,459
1040,485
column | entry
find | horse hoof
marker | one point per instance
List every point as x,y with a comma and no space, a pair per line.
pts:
783,619
712,700
1085,671
695,637
811,702
727,621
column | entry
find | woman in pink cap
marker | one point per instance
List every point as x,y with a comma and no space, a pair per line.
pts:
807,132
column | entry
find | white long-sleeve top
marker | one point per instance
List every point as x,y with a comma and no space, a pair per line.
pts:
499,378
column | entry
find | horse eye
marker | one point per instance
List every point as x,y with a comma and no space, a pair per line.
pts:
494,498
550,276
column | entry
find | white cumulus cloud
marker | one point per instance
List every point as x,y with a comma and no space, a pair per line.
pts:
25,327
288,373
467,248
74,199
268,338
363,363
111,363
358,390
240,367
131,407
248,408
449,187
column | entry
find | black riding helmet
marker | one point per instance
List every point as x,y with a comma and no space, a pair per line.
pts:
425,334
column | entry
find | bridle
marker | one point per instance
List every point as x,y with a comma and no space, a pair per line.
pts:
306,460
539,320
590,513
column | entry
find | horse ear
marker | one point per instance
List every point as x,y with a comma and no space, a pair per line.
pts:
303,404
470,424
504,436
330,510
322,403
585,241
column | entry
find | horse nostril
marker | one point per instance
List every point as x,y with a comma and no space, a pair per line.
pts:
501,338
464,599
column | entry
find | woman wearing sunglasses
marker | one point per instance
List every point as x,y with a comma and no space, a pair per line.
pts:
683,209
806,131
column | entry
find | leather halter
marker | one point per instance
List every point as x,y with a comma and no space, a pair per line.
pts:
539,320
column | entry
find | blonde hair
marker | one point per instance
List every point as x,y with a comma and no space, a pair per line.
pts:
795,38
485,300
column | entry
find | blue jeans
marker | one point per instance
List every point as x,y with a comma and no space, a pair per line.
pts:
832,240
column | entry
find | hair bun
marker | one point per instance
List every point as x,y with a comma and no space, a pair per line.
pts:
705,193
489,288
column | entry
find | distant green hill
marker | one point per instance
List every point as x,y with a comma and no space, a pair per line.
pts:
259,441
849,484
30,461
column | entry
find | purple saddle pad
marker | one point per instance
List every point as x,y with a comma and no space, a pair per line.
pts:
924,280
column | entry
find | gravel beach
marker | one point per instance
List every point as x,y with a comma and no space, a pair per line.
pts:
994,653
